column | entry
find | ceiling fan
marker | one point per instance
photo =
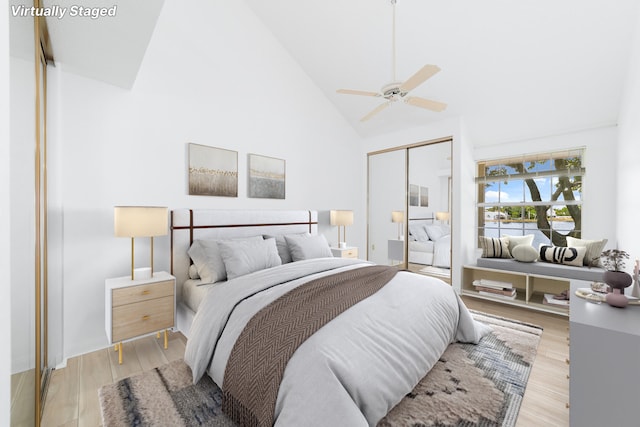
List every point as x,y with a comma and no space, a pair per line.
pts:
397,91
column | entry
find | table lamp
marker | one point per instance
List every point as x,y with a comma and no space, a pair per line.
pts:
140,221
341,219
442,216
398,217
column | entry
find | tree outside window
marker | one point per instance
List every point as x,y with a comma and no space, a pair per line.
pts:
539,194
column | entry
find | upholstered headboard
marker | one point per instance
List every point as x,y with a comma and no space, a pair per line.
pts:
188,225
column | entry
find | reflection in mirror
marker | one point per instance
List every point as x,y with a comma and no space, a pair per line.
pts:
386,207
429,227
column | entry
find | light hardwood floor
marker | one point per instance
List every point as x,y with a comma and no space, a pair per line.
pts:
72,399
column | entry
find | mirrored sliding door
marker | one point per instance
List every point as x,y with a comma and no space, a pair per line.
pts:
409,207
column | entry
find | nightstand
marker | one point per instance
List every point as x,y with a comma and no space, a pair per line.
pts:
396,250
350,252
134,308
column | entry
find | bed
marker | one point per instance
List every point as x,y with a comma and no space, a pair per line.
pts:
429,243
353,368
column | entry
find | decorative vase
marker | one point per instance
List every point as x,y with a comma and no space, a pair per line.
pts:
617,280
617,298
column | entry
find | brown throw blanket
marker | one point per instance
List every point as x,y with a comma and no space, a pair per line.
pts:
258,359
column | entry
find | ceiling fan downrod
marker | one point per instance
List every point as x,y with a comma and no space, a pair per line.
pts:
393,42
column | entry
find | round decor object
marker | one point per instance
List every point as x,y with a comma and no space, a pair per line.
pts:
525,253
617,279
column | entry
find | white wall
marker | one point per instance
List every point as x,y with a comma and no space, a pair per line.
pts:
22,214
628,176
212,75
5,220
599,183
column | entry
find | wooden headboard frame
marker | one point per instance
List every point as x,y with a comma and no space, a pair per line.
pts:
188,225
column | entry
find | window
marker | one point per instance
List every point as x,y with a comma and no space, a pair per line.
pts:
535,194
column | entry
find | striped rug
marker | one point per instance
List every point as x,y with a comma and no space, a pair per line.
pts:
471,385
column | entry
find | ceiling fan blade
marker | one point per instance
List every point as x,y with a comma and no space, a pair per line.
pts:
425,103
376,111
418,78
357,92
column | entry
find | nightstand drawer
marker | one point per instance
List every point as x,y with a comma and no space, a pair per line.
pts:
132,320
350,253
133,294
345,252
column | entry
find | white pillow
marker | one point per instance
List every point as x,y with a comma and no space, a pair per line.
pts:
437,231
525,253
419,232
562,255
521,240
246,256
594,249
193,272
206,257
307,247
494,247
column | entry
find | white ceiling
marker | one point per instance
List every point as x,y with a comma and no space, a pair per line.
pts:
110,49
511,69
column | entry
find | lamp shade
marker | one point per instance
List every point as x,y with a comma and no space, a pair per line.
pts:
397,216
140,221
341,217
442,216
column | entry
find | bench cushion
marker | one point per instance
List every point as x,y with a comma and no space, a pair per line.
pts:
543,269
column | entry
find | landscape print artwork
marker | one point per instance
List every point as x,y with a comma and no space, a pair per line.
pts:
266,177
424,196
212,171
414,192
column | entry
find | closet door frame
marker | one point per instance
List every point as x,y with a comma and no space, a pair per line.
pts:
406,148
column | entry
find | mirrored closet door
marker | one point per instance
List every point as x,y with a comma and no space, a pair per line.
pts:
409,207
29,291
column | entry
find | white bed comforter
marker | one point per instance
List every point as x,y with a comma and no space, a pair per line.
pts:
442,252
358,366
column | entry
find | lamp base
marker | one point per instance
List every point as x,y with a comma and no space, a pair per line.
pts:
142,273
342,245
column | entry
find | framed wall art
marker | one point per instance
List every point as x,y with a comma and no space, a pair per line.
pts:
424,196
414,195
212,171
266,177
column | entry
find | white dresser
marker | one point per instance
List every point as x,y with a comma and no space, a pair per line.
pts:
604,363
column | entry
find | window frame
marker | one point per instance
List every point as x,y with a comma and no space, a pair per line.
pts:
544,163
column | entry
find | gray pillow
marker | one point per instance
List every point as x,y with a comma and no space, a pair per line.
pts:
494,247
436,231
594,249
562,255
246,256
419,232
206,257
307,247
283,248
525,253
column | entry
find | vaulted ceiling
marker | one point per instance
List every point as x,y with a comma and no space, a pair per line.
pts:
510,69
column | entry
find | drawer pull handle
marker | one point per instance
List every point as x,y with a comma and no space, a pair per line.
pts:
146,317
567,361
146,292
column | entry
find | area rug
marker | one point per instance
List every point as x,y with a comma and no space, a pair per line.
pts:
471,385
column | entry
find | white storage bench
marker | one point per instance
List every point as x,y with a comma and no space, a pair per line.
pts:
531,280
